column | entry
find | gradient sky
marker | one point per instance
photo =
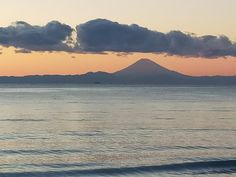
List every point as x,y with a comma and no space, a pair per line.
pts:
215,17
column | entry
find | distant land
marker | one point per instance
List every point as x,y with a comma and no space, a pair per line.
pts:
143,71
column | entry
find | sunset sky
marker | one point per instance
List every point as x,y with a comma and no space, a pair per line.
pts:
193,18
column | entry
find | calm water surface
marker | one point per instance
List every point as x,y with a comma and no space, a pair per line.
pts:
69,131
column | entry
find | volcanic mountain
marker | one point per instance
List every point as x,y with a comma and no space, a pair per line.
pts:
147,71
145,67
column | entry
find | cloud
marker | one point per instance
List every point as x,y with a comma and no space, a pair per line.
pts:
52,37
23,51
103,35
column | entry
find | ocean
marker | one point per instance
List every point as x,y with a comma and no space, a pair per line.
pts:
105,130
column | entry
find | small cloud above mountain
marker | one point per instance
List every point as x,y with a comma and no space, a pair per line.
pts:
23,51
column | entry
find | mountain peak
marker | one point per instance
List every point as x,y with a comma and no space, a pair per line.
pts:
147,71
146,61
144,67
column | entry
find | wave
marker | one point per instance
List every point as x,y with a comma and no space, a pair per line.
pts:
205,167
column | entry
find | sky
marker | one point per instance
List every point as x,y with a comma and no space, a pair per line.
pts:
23,54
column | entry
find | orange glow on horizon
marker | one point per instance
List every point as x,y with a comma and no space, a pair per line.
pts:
37,63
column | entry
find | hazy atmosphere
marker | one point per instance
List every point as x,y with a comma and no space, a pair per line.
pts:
117,88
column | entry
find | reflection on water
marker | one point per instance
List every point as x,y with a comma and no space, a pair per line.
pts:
122,130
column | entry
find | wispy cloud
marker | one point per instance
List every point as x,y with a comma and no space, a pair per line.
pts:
23,51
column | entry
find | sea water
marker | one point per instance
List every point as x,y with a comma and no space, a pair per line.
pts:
102,130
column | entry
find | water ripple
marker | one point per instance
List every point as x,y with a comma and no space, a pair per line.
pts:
205,167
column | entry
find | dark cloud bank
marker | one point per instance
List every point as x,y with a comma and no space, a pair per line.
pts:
52,37
102,35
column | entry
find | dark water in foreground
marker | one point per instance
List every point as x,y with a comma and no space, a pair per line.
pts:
117,131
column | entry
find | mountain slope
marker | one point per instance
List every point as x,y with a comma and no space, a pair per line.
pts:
147,71
145,67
